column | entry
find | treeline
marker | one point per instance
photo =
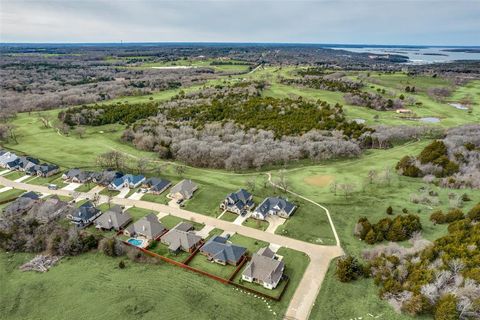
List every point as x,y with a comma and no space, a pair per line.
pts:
451,162
372,101
401,228
97,115
324,83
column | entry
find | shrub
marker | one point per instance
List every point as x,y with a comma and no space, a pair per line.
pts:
390,210
446,308
474,213
348,269
121,264
437,217
454,215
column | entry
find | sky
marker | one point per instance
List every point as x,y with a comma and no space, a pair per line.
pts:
415,22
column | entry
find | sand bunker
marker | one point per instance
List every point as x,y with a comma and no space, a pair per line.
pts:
319,181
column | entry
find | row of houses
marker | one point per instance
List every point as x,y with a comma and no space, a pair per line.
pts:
264,268
116,180
241,202
29,165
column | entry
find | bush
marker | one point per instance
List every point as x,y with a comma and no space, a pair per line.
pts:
454,215
446,308
437,217
399,229
390,210
348,269
474,213
121,264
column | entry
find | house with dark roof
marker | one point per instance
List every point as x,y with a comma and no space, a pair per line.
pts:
156,185
114,218
25,163
183,190
148,227
178,239
46,170
220,250
264,269
77,175
238,202
84,215
31,195
274,206
104,178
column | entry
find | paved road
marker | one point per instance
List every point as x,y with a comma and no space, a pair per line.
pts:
320,256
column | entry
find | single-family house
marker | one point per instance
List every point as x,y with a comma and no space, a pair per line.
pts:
104,178
46,170
148,227
30,195
7,157
156,185
25,163
264,269
14,163
181,238
70,174
126,181
84,215
183,190
115,218
238,202
220,250
274,206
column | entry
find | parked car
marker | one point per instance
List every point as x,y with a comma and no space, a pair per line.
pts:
179,201
52,186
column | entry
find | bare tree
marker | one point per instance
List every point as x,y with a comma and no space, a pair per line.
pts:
111,160
347,189
142,165
44,119
251,183
282,181
180,170
334,187
372,176
80,131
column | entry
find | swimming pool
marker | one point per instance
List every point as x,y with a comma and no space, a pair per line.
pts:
136,242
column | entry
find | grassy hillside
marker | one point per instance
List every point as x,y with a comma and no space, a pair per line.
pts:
91,286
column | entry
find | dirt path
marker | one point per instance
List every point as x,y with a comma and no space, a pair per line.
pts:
309,286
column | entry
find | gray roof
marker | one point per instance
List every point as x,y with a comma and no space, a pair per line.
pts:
267,252
114,218
179,239
157,184
184,226
264,268
219,249
240,199
185,187
275,204
148,226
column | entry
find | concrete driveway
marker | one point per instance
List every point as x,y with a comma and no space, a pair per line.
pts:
71,186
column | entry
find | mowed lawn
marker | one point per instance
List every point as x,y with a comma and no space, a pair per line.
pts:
91,286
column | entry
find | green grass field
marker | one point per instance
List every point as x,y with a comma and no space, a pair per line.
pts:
91,286
11,194
256,224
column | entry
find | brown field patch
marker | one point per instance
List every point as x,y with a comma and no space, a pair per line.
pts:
319,180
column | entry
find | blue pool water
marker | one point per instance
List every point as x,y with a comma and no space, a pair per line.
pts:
135,242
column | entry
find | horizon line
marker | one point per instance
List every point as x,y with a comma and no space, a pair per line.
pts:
238,43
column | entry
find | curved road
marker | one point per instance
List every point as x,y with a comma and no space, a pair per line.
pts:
309,286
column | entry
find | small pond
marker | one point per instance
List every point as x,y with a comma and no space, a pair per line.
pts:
429,120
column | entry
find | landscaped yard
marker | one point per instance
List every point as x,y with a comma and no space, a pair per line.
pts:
85,187
162,249
41,181
14,175
138,213
160,198
11,194
251,244
255,223
229,216
110,193
201,262
170,221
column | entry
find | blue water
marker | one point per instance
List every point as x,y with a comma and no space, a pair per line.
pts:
135,242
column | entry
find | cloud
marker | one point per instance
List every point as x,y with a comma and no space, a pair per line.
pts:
355,21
